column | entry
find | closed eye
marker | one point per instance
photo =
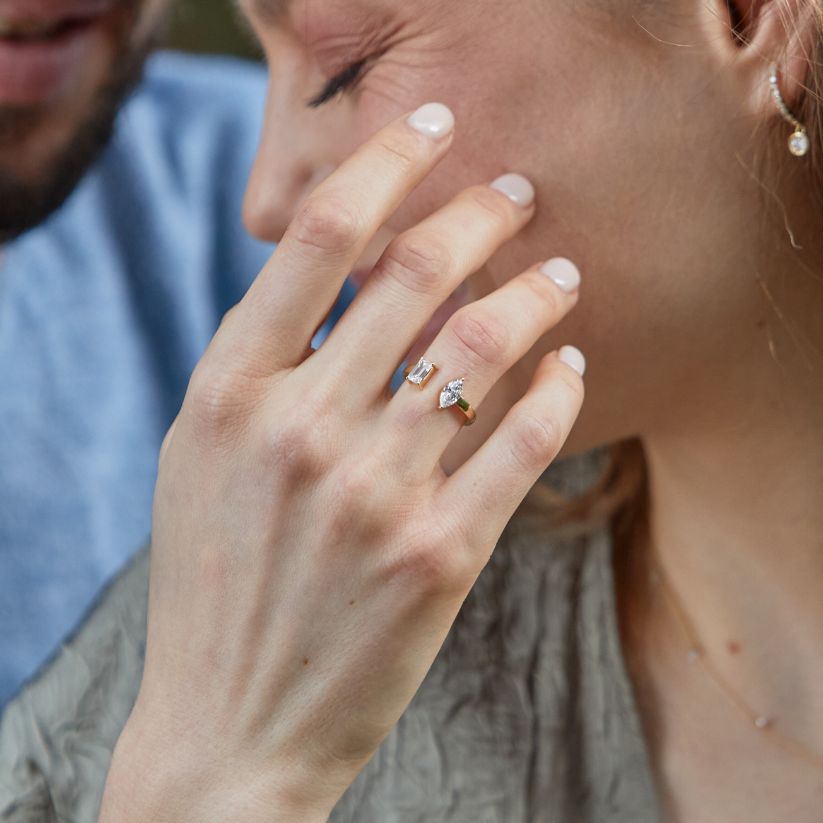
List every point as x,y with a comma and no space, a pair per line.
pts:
339,83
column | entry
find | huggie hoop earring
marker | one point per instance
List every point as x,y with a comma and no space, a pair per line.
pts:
798,139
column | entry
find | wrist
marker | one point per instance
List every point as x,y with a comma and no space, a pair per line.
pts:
150,782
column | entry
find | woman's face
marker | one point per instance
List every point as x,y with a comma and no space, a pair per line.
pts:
631,142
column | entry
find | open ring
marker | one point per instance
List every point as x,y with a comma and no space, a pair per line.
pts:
419,374
450,395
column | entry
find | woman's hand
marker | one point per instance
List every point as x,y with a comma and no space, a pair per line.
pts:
309,554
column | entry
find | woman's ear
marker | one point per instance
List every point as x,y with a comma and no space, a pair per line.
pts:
749,35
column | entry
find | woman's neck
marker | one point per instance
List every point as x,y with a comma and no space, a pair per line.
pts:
736,521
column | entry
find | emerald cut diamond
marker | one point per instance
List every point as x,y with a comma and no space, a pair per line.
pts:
421,372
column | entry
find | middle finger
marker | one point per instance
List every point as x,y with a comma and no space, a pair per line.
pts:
415,274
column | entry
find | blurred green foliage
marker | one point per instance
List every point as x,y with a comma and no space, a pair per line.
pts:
209,26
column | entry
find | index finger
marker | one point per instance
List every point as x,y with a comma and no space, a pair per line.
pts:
275,321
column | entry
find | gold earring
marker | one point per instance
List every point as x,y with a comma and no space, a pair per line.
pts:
798,139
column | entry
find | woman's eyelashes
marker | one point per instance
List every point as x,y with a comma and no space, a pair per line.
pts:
339,83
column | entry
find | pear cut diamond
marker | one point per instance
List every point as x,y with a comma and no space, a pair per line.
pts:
451,393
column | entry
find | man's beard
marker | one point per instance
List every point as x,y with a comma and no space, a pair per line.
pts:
24,205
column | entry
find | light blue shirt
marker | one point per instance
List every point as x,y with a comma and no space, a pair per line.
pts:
104,311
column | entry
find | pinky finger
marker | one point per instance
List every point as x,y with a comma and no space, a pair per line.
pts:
484,493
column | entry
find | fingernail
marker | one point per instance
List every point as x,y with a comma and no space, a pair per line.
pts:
563,272
435,120
573,357
516,187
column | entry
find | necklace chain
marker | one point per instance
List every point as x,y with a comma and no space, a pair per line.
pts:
764,723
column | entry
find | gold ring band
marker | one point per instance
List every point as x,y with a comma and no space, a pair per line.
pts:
450,395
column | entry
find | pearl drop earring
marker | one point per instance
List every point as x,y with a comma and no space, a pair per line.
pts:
798,140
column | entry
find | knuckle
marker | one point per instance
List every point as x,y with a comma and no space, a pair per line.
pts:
357,484
494,203
228,318
360,505
535,441
420,264
327,223
484,338
294,450
430,566
164,446
215,400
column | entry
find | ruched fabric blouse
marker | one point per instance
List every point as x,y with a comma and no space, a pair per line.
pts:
526,716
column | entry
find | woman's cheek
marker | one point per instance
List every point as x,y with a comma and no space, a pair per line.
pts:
471,160
374,109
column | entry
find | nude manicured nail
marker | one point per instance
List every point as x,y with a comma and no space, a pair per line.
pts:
435,120
574,358
516,187
563,272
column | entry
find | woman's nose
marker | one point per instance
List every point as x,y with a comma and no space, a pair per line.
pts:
279,182
296,152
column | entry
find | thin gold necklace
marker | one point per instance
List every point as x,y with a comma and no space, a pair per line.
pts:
764,723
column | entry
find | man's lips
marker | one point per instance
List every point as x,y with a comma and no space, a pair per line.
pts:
52,10
43,44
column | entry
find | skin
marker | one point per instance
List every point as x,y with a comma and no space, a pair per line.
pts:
261,510
699,320
45,148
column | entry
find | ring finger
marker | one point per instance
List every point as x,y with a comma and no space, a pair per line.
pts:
479,343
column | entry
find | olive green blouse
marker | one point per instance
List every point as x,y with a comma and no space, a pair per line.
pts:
527,713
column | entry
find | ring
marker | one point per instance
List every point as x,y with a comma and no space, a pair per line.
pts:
450,395
419,374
